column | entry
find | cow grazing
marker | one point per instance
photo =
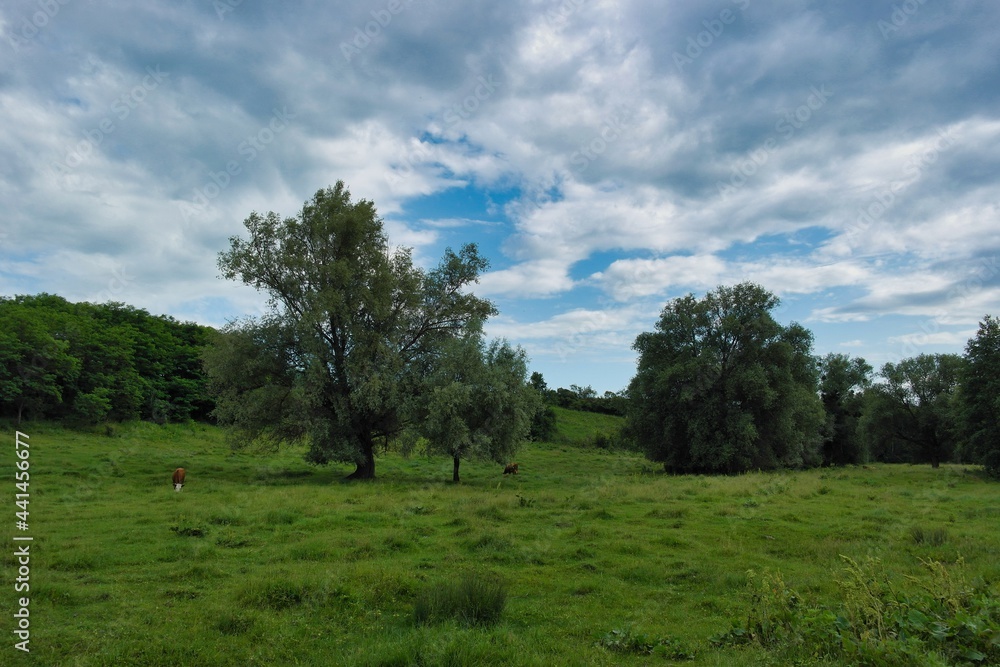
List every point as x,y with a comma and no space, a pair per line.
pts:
178,479
510,469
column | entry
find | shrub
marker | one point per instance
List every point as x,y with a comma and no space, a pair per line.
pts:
475,599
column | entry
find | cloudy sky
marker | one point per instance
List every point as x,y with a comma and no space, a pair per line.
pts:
606,156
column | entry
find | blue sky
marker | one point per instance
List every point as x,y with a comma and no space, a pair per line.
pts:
606,156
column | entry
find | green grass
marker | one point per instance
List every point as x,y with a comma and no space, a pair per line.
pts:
575,427
264,560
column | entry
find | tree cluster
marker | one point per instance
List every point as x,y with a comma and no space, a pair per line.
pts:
361,347
85,363
722,387
587,399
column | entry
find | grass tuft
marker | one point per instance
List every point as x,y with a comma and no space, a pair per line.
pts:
234,624
274,594
475,599
933,537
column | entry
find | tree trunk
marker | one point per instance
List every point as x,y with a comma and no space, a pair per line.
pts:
454,476
366,468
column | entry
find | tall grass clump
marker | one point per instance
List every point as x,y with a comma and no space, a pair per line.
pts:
475,599
934,537
274,593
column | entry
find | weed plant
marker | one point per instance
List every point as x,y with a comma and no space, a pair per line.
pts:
941,620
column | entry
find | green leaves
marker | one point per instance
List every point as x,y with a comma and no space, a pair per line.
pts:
914,415
476,402
981,395
877,621
722,387
360,328
89,363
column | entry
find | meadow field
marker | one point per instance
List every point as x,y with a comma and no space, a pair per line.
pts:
265,560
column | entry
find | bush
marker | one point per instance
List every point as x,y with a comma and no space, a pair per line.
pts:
543,424
475,599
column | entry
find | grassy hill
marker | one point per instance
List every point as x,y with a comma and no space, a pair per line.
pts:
575,427
264,560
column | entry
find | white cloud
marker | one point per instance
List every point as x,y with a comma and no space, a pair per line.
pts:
627,279
578,131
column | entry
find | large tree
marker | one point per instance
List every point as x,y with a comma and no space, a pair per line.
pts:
352,328
981,395
478,403
843,381
913,415
722,387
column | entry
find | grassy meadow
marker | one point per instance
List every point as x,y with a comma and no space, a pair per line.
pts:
264,560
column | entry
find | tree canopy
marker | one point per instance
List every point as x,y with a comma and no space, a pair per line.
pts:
843,381
912,416
86,363
980,388
722,387
477,402
353,327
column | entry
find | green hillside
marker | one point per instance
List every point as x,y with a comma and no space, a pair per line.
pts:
575,427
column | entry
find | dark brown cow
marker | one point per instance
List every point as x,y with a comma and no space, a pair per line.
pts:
510,469
178,479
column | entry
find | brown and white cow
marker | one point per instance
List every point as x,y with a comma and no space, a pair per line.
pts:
178,479
510,469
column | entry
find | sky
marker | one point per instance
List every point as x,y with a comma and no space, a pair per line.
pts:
605,156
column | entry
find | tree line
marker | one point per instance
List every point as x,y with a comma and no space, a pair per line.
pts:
722,387
85,364
362,351
585,399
